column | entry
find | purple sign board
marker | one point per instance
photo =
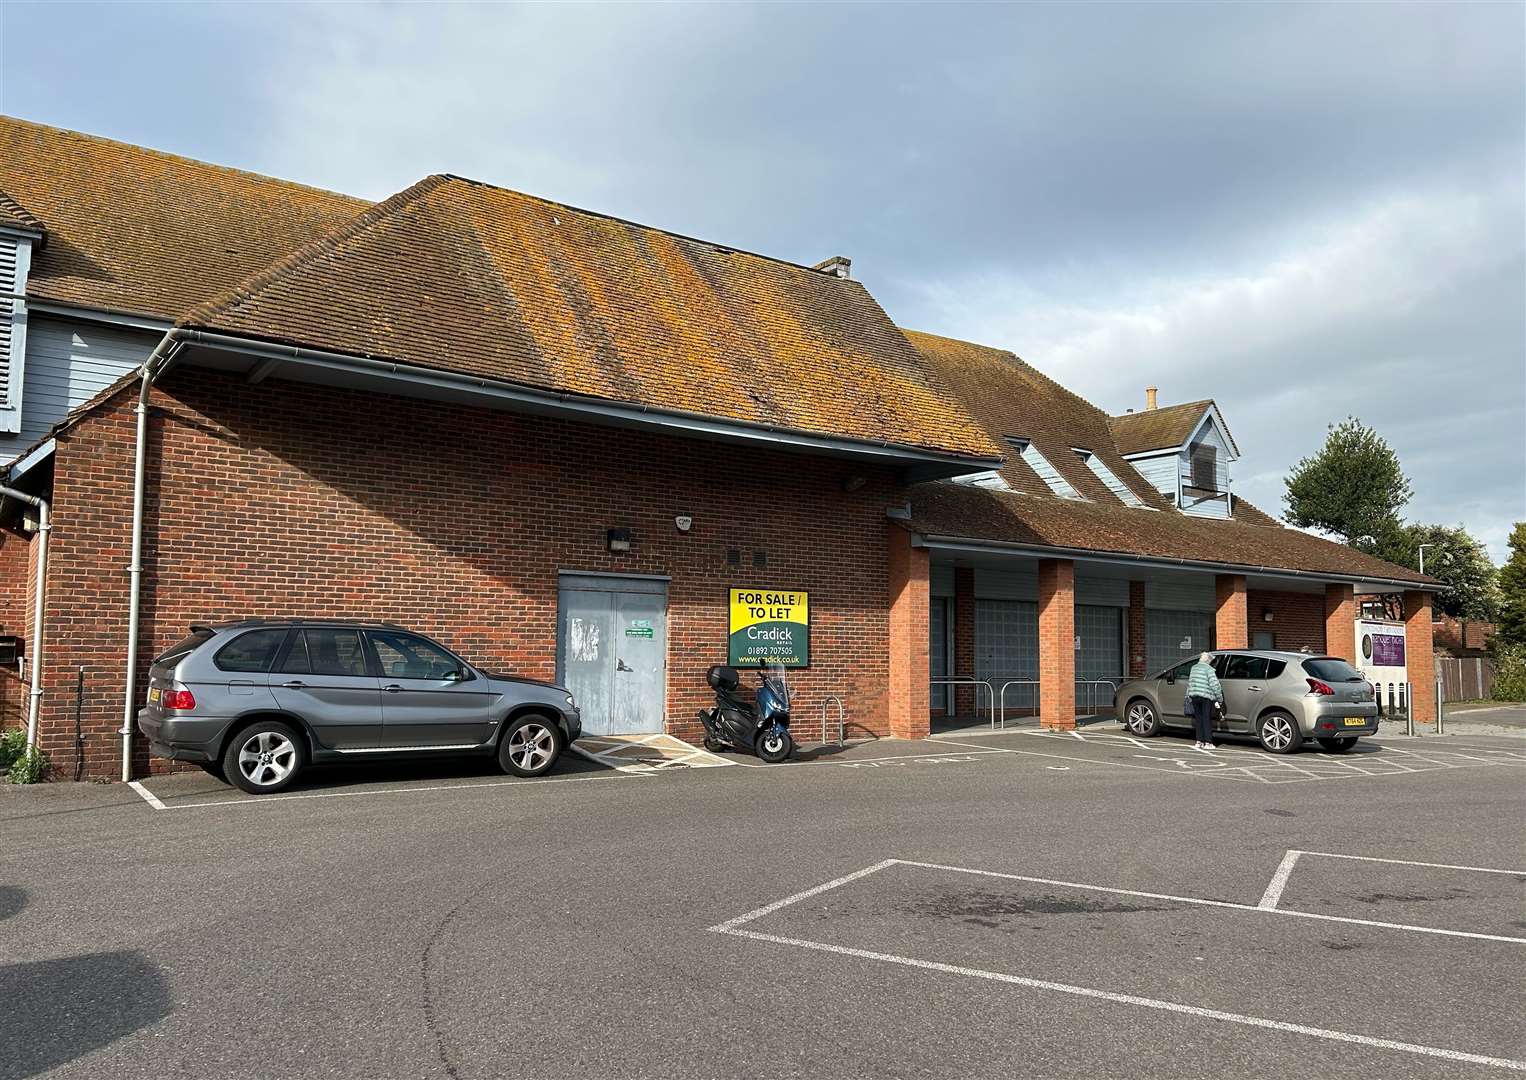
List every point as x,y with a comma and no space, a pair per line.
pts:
1383,650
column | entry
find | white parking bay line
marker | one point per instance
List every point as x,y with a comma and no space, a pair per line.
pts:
1279,882
1125,999
1411,862
148,796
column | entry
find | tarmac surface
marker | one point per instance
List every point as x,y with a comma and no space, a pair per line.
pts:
982,904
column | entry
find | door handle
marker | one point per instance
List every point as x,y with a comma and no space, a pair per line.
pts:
1257,689
295,684
392,688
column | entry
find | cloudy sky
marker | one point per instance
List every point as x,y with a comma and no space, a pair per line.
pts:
1302,211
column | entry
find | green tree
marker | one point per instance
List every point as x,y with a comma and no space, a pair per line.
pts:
1352,488
1452,556
1512,587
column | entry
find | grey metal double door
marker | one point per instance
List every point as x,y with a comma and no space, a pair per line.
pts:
612,651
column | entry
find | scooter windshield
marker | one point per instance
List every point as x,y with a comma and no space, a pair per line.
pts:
773,694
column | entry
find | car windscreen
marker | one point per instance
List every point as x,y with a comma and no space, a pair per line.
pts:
1332,669
184,647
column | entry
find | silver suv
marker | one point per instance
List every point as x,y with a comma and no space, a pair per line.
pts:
1282,698
257,701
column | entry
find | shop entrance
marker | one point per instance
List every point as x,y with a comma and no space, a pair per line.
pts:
612,635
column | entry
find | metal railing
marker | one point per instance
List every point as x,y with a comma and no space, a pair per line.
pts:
1091,692
842,720
977,683
1003,696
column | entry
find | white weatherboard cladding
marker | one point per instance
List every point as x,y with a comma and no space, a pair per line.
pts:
1160,472
15,263
1216,506
67,364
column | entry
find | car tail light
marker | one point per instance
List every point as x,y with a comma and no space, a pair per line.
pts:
178,699
1321,688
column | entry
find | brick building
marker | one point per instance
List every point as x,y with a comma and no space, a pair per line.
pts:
463,407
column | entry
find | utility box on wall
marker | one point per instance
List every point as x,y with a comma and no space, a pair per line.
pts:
10,648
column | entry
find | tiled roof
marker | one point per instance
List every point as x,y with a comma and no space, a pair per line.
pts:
955,510
1012,399
1159,429
131,229
461,276
16,216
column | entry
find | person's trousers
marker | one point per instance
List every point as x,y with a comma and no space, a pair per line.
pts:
1202,718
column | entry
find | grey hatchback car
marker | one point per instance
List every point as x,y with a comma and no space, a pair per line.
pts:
257,701
1282,698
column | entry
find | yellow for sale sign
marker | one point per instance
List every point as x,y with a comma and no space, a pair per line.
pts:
769,626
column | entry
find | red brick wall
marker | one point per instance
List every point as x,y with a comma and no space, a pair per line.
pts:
1229,612
1137,630
1298,619
1057,643
283,499
1420,656
907,598
964,638
1340,622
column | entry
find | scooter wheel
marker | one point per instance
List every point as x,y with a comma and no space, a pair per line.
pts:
715,746
774,746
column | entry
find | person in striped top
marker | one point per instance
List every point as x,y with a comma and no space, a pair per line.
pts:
1203,692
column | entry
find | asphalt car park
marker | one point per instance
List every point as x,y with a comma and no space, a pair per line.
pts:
1042,904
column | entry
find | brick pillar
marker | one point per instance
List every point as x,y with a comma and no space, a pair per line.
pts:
964,638
1230,621
1137,639
1340,623
1420,656
1057,643
910,706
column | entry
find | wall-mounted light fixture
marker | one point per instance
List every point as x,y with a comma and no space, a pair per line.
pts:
619,539
683,523
853,483
1266,614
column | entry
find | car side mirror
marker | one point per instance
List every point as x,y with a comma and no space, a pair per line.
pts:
1171,679
456,676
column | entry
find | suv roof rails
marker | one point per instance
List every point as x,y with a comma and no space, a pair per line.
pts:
293,620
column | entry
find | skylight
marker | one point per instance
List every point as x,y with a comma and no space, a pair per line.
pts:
1040,464
1110,479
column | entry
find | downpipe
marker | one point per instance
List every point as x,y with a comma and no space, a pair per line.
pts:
157,363
39,604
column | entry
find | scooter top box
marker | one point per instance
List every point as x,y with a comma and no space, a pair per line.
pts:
721,677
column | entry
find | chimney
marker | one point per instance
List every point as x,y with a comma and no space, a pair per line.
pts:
1150,392
837,266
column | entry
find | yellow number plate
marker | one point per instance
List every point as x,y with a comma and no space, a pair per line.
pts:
1356,721
154,693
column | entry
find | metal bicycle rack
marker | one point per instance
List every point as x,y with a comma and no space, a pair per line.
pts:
842,720
1091,692
990,691
1003,696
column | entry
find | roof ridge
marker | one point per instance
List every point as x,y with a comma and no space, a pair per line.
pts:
171,155
642,225
309,252
1204,403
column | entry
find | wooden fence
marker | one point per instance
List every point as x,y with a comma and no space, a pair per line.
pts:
1465,678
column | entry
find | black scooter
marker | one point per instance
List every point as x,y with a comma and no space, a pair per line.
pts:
760,726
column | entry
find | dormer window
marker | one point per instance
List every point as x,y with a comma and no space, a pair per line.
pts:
1205,467
1109,478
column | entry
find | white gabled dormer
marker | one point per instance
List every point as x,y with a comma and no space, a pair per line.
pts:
1184,451
20,234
